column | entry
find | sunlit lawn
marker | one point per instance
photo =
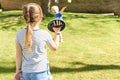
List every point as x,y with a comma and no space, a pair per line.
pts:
90,51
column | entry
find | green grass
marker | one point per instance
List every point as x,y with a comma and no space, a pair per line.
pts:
90,51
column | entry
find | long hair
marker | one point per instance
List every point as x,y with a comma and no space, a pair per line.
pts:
32,13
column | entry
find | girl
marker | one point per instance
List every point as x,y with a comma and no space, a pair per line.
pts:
56,12
31,55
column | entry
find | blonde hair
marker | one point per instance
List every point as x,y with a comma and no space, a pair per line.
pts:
32,13
55,8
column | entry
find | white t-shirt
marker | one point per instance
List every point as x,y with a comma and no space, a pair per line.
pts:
36,59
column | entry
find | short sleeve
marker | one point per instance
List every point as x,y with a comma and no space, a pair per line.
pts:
49,38
17,37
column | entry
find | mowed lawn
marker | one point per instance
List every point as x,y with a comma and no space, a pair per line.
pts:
90,50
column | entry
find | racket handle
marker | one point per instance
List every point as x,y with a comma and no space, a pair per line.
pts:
61,38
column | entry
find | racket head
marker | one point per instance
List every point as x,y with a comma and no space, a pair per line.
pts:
51,25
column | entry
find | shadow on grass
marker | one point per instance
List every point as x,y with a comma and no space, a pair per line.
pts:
86,67
7,69
11,22
10,15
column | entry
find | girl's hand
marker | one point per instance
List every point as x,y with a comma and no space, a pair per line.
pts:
17,76
56,30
